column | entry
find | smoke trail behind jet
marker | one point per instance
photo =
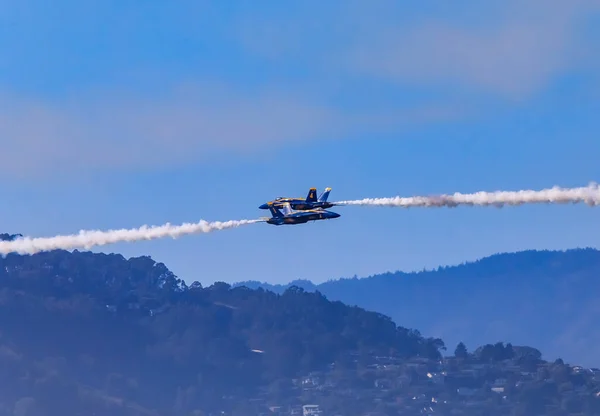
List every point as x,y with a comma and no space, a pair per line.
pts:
87,239
589,195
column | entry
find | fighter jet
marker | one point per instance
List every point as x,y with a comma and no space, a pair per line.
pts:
291,216
300,204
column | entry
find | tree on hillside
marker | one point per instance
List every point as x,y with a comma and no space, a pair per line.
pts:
509,351
461,351
9,237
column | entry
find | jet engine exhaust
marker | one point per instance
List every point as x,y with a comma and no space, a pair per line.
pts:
87,239
589,195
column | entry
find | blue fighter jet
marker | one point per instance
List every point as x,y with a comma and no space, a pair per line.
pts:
290,216
301,204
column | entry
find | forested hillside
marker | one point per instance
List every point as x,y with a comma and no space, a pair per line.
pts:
98,334
542,298
84,333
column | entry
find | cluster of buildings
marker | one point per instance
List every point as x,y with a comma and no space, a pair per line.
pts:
451,386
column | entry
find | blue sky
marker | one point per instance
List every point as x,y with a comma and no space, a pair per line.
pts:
117,114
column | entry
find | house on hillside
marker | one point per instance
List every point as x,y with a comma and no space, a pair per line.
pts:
310,410
311,381
436,378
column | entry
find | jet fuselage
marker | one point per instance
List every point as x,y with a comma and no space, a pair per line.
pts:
302,217
297,204
302,204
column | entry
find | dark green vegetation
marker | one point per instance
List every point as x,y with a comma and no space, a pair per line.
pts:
82,331
95,334
545,298
9,237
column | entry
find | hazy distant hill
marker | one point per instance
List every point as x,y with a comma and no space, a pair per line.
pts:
549,299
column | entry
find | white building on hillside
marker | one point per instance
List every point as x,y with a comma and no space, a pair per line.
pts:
310,410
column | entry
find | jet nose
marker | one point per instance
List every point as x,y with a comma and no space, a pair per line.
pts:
263,206
335,215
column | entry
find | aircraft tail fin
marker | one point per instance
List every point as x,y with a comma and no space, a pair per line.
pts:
323,197
275,211
312,195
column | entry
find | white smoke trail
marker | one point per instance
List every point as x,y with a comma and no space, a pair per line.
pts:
89,238
556,195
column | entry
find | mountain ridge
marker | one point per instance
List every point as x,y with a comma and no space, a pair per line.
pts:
545,297
307,283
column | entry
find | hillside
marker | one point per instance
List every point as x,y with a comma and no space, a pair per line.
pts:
98,334
84,333
542,298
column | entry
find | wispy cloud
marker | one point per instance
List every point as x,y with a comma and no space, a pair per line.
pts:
124,132
514,55
193,123
510,49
